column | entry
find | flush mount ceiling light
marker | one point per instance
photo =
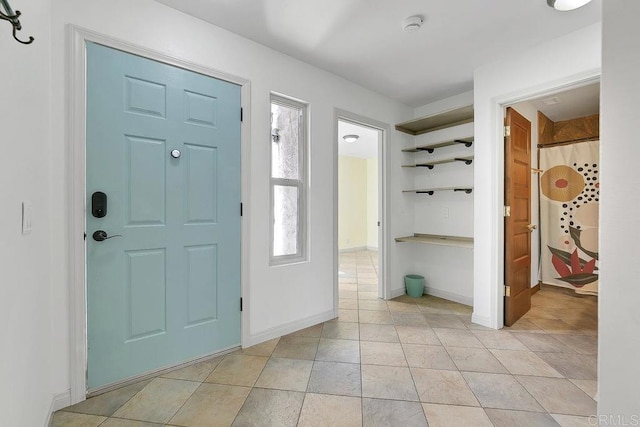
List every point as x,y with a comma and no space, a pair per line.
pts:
565,5
412,23
350,138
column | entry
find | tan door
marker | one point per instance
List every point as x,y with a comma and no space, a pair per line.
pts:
517,225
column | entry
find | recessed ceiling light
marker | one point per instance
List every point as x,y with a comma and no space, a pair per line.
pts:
350,138
565,5
412,23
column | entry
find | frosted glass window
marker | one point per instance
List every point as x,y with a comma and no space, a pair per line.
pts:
288,139
285,224
285,124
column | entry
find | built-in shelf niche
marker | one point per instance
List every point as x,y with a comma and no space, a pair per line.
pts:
431,191
437,239
421,126
446,119
430,148
467,160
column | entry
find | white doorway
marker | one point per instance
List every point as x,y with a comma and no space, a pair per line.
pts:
565,120
360,225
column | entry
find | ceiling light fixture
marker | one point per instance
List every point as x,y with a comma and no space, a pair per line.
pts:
350,138
566,5
412,23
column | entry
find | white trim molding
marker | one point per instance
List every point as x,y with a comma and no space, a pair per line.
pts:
449,296
498,105
395,293
58,401
383,208
290,327
76,181
481,320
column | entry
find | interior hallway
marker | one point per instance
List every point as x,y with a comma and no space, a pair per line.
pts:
403,362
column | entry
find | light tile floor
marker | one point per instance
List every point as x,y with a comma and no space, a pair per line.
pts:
406,362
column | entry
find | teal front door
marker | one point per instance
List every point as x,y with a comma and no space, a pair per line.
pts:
163,215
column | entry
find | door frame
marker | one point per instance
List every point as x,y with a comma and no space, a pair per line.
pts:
383,208
75,132
498,108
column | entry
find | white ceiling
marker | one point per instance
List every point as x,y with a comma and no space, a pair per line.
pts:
570,104
363,41
366,147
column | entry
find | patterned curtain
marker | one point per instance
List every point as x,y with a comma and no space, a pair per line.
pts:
569,206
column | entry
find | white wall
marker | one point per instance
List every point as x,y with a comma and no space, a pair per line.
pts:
619,341
352,203
372,203
546,68
276,303
26,388
448,271
530,112
357,203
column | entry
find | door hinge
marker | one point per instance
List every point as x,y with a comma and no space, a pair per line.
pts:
507,291
241,304
85,236
378,223
241,114
507,131
241,209
507,211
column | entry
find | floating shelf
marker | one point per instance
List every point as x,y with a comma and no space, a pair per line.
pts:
430,191
455,117
429,165
436,239
429,148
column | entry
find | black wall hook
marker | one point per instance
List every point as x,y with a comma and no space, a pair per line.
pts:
14,19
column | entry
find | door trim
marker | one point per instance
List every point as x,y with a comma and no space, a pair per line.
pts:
383,232
75,131
498,106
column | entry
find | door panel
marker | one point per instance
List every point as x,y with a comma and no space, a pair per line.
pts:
202,283
200,173
168,289
517,234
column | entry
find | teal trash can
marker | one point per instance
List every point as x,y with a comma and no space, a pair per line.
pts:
414,284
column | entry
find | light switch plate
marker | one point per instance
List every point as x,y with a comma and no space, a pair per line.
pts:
27,217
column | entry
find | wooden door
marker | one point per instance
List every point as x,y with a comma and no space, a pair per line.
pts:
517,225
163,151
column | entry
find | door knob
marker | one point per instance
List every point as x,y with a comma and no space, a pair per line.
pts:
101,235
532,227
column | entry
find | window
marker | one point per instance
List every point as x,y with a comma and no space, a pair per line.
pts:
288,180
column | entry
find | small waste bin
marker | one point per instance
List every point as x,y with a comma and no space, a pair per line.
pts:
414,284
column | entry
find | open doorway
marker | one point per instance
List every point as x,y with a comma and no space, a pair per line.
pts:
360,239
555,308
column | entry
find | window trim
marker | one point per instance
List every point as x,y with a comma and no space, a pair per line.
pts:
301,184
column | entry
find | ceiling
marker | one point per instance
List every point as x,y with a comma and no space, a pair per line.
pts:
366,147
363,41
570,104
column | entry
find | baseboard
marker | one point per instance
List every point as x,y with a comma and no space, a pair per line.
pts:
482,321
356,249
395,293
372,248
290,327
58,401
158,372
535,289
448,296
